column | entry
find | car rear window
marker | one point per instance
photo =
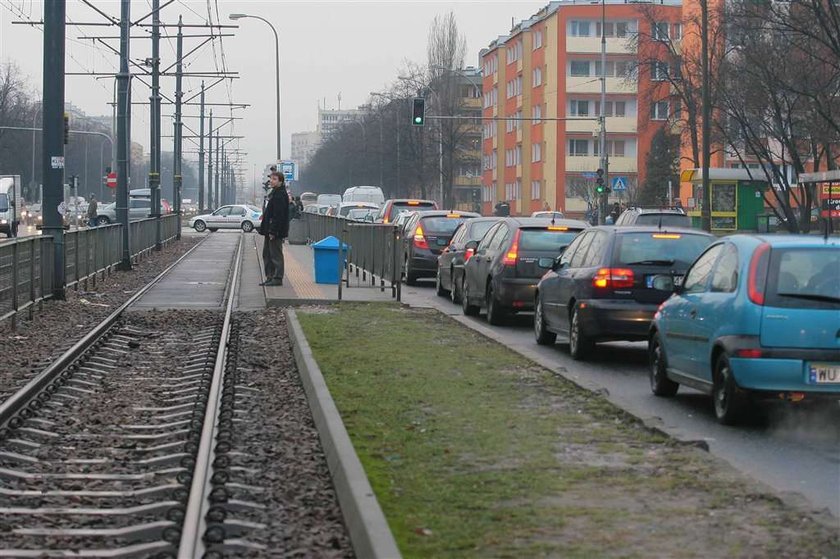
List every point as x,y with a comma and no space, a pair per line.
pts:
804,278
668,220
659,248
441,225
545,239
398,207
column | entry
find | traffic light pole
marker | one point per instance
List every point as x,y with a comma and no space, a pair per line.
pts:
603,174
52,137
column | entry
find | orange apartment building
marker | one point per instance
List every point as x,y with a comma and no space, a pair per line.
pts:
549,67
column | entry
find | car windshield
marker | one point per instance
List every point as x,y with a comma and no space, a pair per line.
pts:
804,277
477,230
545,239
660,248
254,208
4,202
398,207
441,226
667,220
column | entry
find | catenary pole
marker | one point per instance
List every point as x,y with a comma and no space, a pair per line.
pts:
218,170
210,205
124,132
706,210
154,105
177,179
52,136
201,154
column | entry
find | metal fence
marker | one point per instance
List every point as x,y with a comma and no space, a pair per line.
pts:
26,264
373,254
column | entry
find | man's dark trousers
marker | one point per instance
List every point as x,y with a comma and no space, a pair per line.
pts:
273,258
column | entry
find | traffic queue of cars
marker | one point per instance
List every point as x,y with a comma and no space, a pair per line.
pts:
741,318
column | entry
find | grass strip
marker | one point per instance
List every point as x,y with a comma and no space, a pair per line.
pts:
474,451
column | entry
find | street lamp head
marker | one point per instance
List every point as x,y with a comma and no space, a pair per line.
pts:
237,16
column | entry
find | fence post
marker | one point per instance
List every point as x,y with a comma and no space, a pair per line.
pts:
14,284
32,278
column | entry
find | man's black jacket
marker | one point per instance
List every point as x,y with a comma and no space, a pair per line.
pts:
275,219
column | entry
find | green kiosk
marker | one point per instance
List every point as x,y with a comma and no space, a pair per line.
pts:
737,198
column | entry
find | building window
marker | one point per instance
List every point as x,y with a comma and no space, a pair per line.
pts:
579,68
536,190
677,31
579,107
660,30
615,148
611,108
659,71
578,148
537,77
517,155
618,29
580,28
659,110
536,152
538,39
536,114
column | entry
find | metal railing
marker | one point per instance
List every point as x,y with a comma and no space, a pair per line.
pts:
26,264
373,251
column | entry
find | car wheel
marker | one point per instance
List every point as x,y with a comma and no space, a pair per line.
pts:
728,399
199,226
579,343
469,310
454,293
103,220
495,314
660,384
247,226
439,290
543,336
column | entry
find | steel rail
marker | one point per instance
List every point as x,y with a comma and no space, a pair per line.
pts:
195,524
19,400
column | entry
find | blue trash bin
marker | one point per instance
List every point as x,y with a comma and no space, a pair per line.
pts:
327,268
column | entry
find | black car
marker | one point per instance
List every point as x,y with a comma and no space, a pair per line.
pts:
451,260
425,236
657,217
503,272
602,287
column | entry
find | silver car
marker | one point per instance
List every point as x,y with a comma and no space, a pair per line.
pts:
238,216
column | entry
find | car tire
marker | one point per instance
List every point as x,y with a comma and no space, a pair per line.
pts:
495,314
247,226
580,345
729,401
199,226
439,290
103,220
660,384
541,333
469,310
454,294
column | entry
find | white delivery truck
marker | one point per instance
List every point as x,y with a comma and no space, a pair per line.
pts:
11,204
370,194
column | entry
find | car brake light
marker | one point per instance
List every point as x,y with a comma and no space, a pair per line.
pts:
468,254
748,353
386,220
557,228
666,236
420,239
757,277
613,278
513,254
413,203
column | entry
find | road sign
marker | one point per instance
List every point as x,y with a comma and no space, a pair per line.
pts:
288,170
588,175
830,200
111,180
619,183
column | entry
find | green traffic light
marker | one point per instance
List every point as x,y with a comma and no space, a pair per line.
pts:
418,119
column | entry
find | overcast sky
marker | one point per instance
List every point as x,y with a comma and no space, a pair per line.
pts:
326,49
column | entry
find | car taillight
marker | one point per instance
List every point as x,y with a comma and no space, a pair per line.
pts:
748,353
613,278
420,239
512,255
757,277
468,254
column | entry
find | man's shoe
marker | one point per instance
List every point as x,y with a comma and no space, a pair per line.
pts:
274,282
262,283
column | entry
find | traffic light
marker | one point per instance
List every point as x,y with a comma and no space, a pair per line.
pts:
66,129
418,113
599,182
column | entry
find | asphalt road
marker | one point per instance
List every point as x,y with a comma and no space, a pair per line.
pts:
794,449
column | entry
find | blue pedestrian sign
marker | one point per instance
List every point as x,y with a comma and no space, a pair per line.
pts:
288,170
619,184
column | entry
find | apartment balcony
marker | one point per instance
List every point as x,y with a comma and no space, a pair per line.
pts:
589,163
590,84
471,102
465,181
615,124
592,45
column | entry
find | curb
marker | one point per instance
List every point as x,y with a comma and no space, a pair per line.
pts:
369,532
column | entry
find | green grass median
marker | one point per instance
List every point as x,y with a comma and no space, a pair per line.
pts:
473,451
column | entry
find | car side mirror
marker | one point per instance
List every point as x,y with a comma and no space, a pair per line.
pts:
665,282
471,245
558,263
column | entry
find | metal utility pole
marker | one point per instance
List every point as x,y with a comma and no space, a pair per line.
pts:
52,137
210,206
154,107
177,179
201,154
602,119
706,211
124,132
218,169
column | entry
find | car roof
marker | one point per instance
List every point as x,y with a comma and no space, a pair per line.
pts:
358,204
403,200
624,230
444,213
546,221
787,241
656,211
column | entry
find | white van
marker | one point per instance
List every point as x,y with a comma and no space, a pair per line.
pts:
370,194
328,199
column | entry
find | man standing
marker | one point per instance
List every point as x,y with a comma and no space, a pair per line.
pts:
275,228
93,211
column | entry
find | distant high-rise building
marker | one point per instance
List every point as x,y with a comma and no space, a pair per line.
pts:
304,146
330,120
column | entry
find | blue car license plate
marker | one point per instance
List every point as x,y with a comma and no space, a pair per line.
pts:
824,373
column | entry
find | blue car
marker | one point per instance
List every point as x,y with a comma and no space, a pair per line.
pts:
756,316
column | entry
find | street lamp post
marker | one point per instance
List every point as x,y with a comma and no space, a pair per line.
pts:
276,69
